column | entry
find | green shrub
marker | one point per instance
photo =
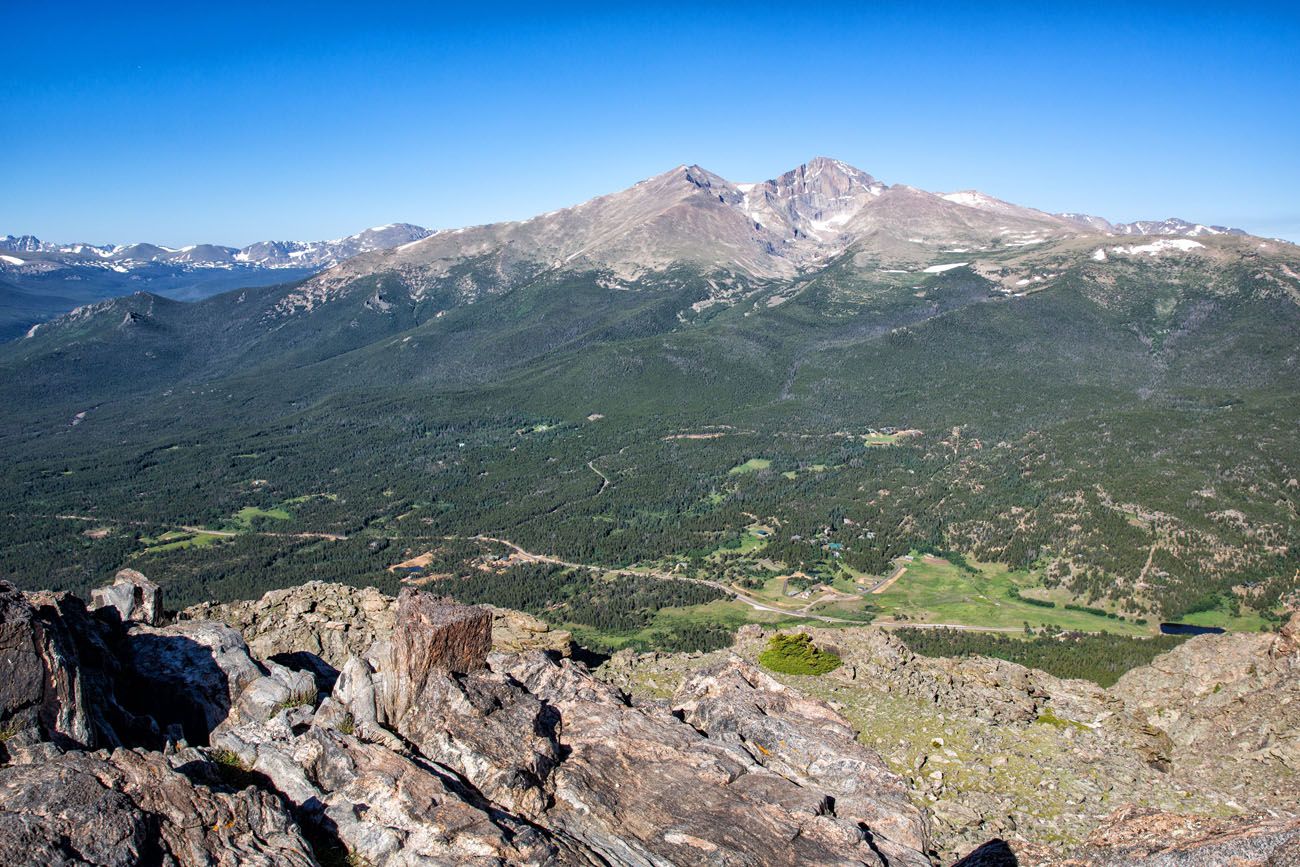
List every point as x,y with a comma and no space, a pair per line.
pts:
795,654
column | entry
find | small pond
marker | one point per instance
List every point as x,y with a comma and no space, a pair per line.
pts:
1188,629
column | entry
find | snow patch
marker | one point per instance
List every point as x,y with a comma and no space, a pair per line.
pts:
1164,245
939,269
13,260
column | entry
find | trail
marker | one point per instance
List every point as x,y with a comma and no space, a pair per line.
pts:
604,479
756,604
889,582
190,528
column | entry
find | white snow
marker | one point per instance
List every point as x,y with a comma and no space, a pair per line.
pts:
1155,247
970,198
13,260
830,223
744,188
939,269
1099,255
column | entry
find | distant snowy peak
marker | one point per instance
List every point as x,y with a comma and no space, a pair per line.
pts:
1088,221
1171,226
264,254
326,254
816,199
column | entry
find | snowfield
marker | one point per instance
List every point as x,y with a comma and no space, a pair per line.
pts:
1164,245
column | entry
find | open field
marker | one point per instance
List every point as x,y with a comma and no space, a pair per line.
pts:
935,591
752,465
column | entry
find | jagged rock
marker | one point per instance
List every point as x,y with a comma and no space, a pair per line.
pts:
1228,707
639,786
433,637
330,621
804,741
127,808
333,622
22,665
390,809
189,673
134,597
1287,644
280,689
56,672
1136,837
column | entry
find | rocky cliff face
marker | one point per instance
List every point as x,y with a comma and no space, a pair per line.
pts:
429,748
127,743
1066,771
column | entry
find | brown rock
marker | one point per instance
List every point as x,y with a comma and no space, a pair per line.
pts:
56,672
1142,837
433,636
127,808
330,621
806,742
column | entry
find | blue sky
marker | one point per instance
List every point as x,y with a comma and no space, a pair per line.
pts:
237,123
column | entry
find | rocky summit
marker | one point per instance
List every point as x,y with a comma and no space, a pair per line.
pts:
349,727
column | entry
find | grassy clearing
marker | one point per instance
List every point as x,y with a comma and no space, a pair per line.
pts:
935,591
177,539
1245,622
728,614
243,519
306,498
752,465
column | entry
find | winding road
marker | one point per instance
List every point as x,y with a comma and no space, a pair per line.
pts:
756,604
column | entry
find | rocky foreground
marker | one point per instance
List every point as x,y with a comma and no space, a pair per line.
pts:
328,725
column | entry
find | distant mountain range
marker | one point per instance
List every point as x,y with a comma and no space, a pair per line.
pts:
774,230
40,279
771,229
1115,411
263,254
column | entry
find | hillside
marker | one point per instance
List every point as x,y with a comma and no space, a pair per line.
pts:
40,279
1095,419
328,725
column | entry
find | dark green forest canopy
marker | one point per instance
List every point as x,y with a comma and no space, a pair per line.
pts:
1133,438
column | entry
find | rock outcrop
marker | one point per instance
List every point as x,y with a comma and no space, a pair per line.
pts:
433,746
993,749
133,596
57,672
332,622
128,807
1134,837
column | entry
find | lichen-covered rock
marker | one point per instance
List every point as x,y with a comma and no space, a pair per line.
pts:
804,741
133,596
330,621
1135,837
640,786
128,808
517,632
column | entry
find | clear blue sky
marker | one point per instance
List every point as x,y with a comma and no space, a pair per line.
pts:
236,122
